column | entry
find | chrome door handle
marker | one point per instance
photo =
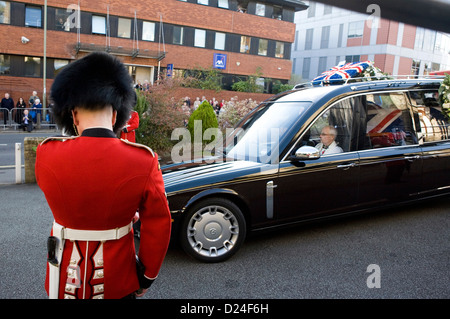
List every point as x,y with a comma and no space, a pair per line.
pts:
412,158
346,166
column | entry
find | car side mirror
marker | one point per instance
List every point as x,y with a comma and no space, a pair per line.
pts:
306,153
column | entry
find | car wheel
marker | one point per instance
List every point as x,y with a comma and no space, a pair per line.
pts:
213,230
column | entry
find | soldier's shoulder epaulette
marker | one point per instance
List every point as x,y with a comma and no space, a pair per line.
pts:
139,145
58,138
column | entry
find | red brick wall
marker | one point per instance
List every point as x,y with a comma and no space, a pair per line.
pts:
387,33
61,44
226,95
188,14
22,87
385,62
409,36
404,67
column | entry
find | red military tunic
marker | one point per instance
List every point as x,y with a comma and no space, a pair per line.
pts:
131,126
98,182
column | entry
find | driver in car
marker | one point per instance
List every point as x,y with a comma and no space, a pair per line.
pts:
327,143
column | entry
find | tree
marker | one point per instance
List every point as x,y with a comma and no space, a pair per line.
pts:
204,113
251,84
159,115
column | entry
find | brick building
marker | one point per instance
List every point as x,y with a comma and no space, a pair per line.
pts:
327,35
150,36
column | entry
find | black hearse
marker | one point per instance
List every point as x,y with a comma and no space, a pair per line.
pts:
393,147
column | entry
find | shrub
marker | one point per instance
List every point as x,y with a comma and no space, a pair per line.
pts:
159,115
233,111
251,84
206,114
279,87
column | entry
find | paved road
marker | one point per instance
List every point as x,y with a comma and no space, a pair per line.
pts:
328,260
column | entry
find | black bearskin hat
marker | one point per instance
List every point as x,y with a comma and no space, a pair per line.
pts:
93,82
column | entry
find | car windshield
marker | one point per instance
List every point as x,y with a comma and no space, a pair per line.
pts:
257,137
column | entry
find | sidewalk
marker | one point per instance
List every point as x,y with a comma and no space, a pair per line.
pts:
8,176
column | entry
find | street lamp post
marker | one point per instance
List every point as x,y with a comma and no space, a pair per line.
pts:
44,91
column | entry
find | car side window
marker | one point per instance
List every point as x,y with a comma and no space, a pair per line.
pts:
388,121
432,124
335,131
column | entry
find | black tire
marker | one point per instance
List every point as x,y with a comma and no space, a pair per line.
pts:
213,230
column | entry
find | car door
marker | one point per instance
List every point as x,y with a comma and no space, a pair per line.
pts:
326,185
391,160
433,128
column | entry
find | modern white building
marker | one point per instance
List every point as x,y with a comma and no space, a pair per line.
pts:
326,35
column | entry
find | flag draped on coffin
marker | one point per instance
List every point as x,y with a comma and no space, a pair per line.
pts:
340,73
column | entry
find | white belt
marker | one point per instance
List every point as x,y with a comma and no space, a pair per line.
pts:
95,235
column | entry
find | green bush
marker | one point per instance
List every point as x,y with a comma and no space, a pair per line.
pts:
159,115
204,113
279,87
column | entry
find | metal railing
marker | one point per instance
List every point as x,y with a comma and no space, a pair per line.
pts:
13,119
370,79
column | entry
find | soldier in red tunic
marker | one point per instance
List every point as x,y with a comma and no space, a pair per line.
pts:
94,183
128,132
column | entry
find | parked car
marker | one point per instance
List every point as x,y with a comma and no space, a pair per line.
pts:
394,148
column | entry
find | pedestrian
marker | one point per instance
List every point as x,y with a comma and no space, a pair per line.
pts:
33,97
36,110
187,99
197,103
95,182
20,107
27,122
7,104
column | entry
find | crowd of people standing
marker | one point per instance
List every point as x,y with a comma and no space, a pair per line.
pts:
23,113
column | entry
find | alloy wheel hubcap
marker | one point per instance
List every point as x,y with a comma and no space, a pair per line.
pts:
213,231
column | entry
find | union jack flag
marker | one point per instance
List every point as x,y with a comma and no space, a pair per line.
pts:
340,73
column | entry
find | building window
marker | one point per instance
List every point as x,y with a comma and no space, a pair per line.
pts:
352,58
309,39
5,12
98,25
260,9
32,66
279,50
148,31
312,9
429,40
340,36
124,29
242,5
277,13
5,64
219,43
305,68
245,44
58,65
355,29
223,4
327,9
262,48
33,16
420,33
415,67
177,35
62,20
204,2
200,38
322,65
325,39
